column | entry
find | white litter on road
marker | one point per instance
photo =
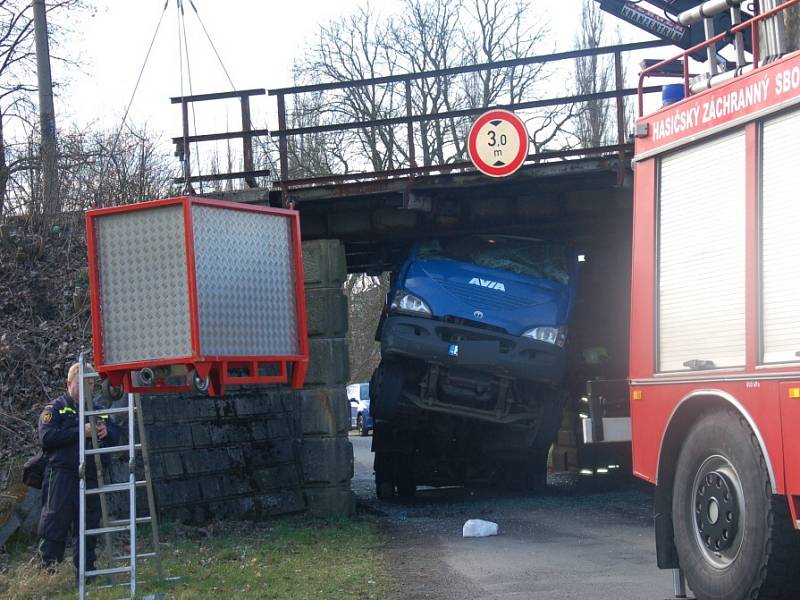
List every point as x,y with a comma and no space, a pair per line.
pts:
479,528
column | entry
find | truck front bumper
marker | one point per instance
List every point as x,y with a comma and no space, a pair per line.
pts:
463,346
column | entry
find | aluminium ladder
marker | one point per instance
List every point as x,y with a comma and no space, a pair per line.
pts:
109,526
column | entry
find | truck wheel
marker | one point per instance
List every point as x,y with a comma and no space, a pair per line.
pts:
387,387
528,475
731,542
406,485
384,485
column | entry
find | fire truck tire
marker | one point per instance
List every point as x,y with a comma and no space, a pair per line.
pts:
732,537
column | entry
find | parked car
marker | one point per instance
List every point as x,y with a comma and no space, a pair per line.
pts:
361,418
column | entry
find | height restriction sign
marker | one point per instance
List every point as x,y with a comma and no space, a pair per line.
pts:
498,143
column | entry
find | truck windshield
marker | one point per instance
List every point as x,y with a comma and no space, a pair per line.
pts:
523,256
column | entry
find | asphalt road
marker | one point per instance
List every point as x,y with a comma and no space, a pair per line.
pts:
569,543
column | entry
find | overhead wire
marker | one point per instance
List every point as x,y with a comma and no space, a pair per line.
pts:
113,149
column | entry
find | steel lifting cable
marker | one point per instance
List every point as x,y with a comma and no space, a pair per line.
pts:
191,93
130,103
187,165
225,70
187,186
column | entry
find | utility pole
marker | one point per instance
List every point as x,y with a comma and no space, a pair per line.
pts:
47,115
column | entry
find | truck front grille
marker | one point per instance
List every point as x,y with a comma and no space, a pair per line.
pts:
481,297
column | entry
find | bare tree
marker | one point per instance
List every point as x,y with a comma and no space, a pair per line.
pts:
366,295
431,39
592,74
792,19
428,35
18,80
139,169
354,48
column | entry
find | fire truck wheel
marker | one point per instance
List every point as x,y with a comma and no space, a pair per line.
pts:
730,541
111,392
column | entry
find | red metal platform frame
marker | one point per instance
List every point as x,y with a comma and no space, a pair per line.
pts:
215,369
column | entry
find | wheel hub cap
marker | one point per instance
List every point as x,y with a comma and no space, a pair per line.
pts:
716,511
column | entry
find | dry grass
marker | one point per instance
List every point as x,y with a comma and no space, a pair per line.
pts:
292,558
26,581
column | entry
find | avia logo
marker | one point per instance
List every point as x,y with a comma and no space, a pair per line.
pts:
493,285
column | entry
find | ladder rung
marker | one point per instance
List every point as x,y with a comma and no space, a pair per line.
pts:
114,487
107,411
138,556
128,583
139,521
111,449
110,571
112,529
90,375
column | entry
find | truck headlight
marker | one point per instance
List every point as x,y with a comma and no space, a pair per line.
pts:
552,335
405,302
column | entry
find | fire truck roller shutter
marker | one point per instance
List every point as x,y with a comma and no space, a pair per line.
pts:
780,239
701,256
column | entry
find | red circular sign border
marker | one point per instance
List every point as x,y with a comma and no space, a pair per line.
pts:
519,159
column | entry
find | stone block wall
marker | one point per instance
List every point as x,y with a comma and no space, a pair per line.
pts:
216,458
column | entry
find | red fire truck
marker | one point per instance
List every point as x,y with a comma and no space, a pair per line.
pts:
714,375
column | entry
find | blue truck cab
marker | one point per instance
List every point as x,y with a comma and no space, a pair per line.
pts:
472,340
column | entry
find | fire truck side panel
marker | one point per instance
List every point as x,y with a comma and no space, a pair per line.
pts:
642,345
790,415
670,407
643,273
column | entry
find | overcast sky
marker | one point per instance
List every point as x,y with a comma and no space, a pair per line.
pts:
257,40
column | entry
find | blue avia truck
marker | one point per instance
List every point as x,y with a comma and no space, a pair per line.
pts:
470,384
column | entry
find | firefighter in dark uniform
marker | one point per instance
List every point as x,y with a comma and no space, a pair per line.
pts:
58,434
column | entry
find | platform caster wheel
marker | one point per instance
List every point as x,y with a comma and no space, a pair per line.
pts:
111,392
199,384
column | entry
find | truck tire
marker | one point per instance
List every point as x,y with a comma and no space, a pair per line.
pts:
404,476
386,388
734,540
384,475
526,475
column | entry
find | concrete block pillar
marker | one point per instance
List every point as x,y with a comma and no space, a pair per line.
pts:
326,451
